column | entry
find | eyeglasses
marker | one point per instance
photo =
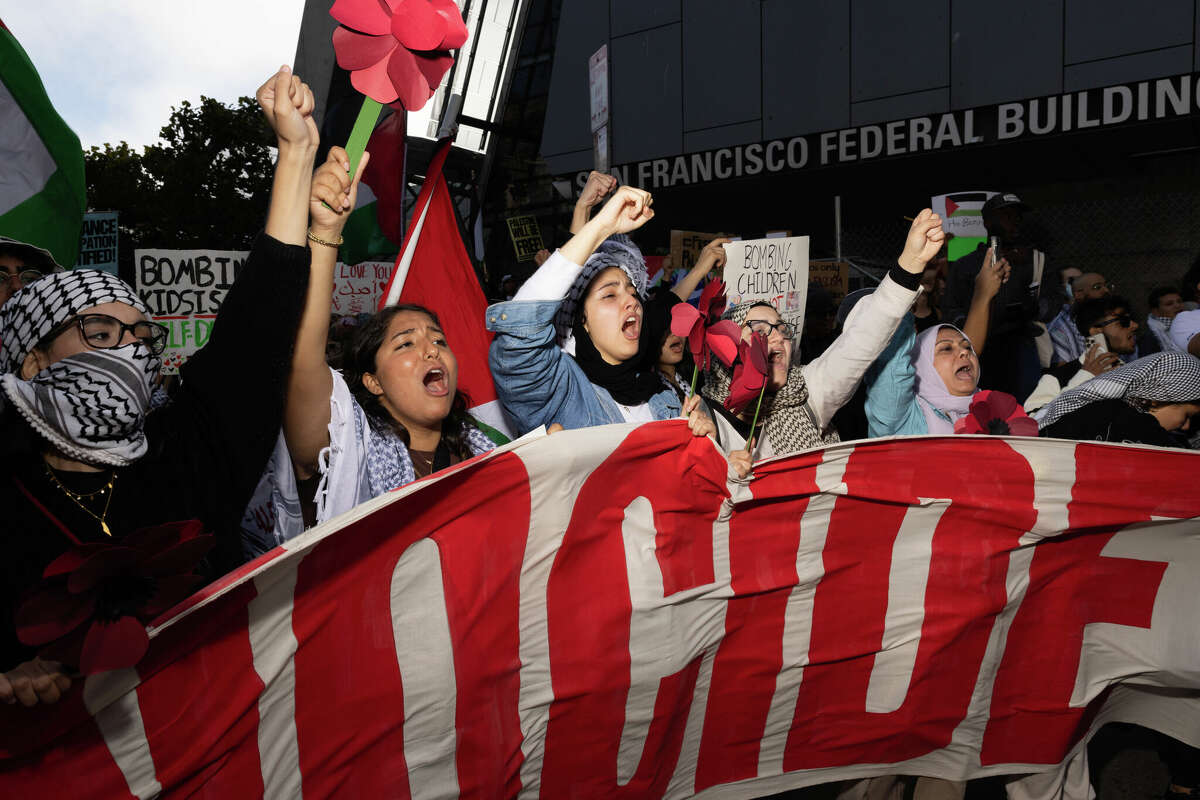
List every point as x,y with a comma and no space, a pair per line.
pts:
26,275
786,329
1124,320
102,332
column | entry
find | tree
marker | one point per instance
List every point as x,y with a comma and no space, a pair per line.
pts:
205,184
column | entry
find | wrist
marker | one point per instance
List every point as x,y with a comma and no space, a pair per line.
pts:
296,152
911,264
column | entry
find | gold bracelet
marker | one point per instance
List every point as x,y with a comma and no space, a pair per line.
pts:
312,237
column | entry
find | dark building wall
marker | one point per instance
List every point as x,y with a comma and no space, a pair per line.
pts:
689,75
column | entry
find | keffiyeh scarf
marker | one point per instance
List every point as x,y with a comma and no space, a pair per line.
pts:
1168,377
789,426
389,466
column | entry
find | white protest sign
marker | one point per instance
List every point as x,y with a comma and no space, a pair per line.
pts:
357,288
774,271
961,212
184,290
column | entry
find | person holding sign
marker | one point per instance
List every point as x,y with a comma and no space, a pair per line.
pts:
86,463
572,348
398,417
800,401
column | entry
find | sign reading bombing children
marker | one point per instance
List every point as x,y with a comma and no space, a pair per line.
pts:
184,290
774,271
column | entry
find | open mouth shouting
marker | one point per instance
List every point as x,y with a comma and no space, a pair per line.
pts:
436,381
631,327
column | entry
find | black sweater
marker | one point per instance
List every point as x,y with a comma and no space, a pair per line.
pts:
207,447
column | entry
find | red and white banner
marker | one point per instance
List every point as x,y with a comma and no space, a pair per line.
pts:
600,613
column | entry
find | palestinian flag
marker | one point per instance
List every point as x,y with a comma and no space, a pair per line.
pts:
42,189
962,213
375,227
434,271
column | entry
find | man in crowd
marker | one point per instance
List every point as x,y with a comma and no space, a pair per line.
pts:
1108,330
1010,362
1064,331
1165,304
20,265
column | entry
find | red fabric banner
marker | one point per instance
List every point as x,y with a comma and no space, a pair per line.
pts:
605,613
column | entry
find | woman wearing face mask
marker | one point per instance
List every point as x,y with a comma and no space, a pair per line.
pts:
83,462
396,417
1144,402
800,401
572,346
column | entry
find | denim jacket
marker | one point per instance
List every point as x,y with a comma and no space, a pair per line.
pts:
539,384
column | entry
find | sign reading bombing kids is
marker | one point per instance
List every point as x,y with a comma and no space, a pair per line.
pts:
184,290
774,271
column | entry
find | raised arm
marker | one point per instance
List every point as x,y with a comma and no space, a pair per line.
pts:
987,284
711,257
598,185
306,416
287,104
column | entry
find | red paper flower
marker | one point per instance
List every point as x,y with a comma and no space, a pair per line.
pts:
712,301
997,414
749,374
723,339
397,50
95,600
687,323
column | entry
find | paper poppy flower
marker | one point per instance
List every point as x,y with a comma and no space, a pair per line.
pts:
712,301
723,339
397,51
686,323
94,601
749,374
996,414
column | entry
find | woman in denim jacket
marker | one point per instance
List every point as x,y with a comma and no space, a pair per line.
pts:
569,348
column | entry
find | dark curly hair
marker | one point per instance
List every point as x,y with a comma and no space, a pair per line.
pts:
361,360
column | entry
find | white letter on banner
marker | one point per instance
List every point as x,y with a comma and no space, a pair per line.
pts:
665,635
425,655
907,578
273,645
797,625
111,698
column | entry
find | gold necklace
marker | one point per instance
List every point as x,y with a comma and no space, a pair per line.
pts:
78,498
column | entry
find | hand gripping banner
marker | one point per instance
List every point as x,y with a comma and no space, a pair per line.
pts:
604,613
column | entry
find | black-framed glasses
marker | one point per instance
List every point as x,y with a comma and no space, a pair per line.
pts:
26,275
786,329
1124,320
102,332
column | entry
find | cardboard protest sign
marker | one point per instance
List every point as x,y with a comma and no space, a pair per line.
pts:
686,247
772,270
184,290
526,236
357,288
832,276
98,242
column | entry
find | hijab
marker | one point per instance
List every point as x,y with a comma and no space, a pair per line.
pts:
932,395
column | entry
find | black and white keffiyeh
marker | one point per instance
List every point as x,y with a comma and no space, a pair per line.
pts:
90,406
389,465
788,425
617,250
40,307
1168,377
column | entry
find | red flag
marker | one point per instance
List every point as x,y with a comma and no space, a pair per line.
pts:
434,270
385,175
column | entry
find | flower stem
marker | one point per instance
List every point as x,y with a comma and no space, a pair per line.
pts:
695,376
368,115
754,424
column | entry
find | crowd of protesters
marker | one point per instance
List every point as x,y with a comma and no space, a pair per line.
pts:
338,414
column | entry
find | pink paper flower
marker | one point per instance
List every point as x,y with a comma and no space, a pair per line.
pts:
997,414
397,51
95,600
749,374
686,323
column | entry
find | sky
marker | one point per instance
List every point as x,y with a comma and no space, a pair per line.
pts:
114,69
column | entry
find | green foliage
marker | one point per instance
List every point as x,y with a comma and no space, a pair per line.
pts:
205,184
